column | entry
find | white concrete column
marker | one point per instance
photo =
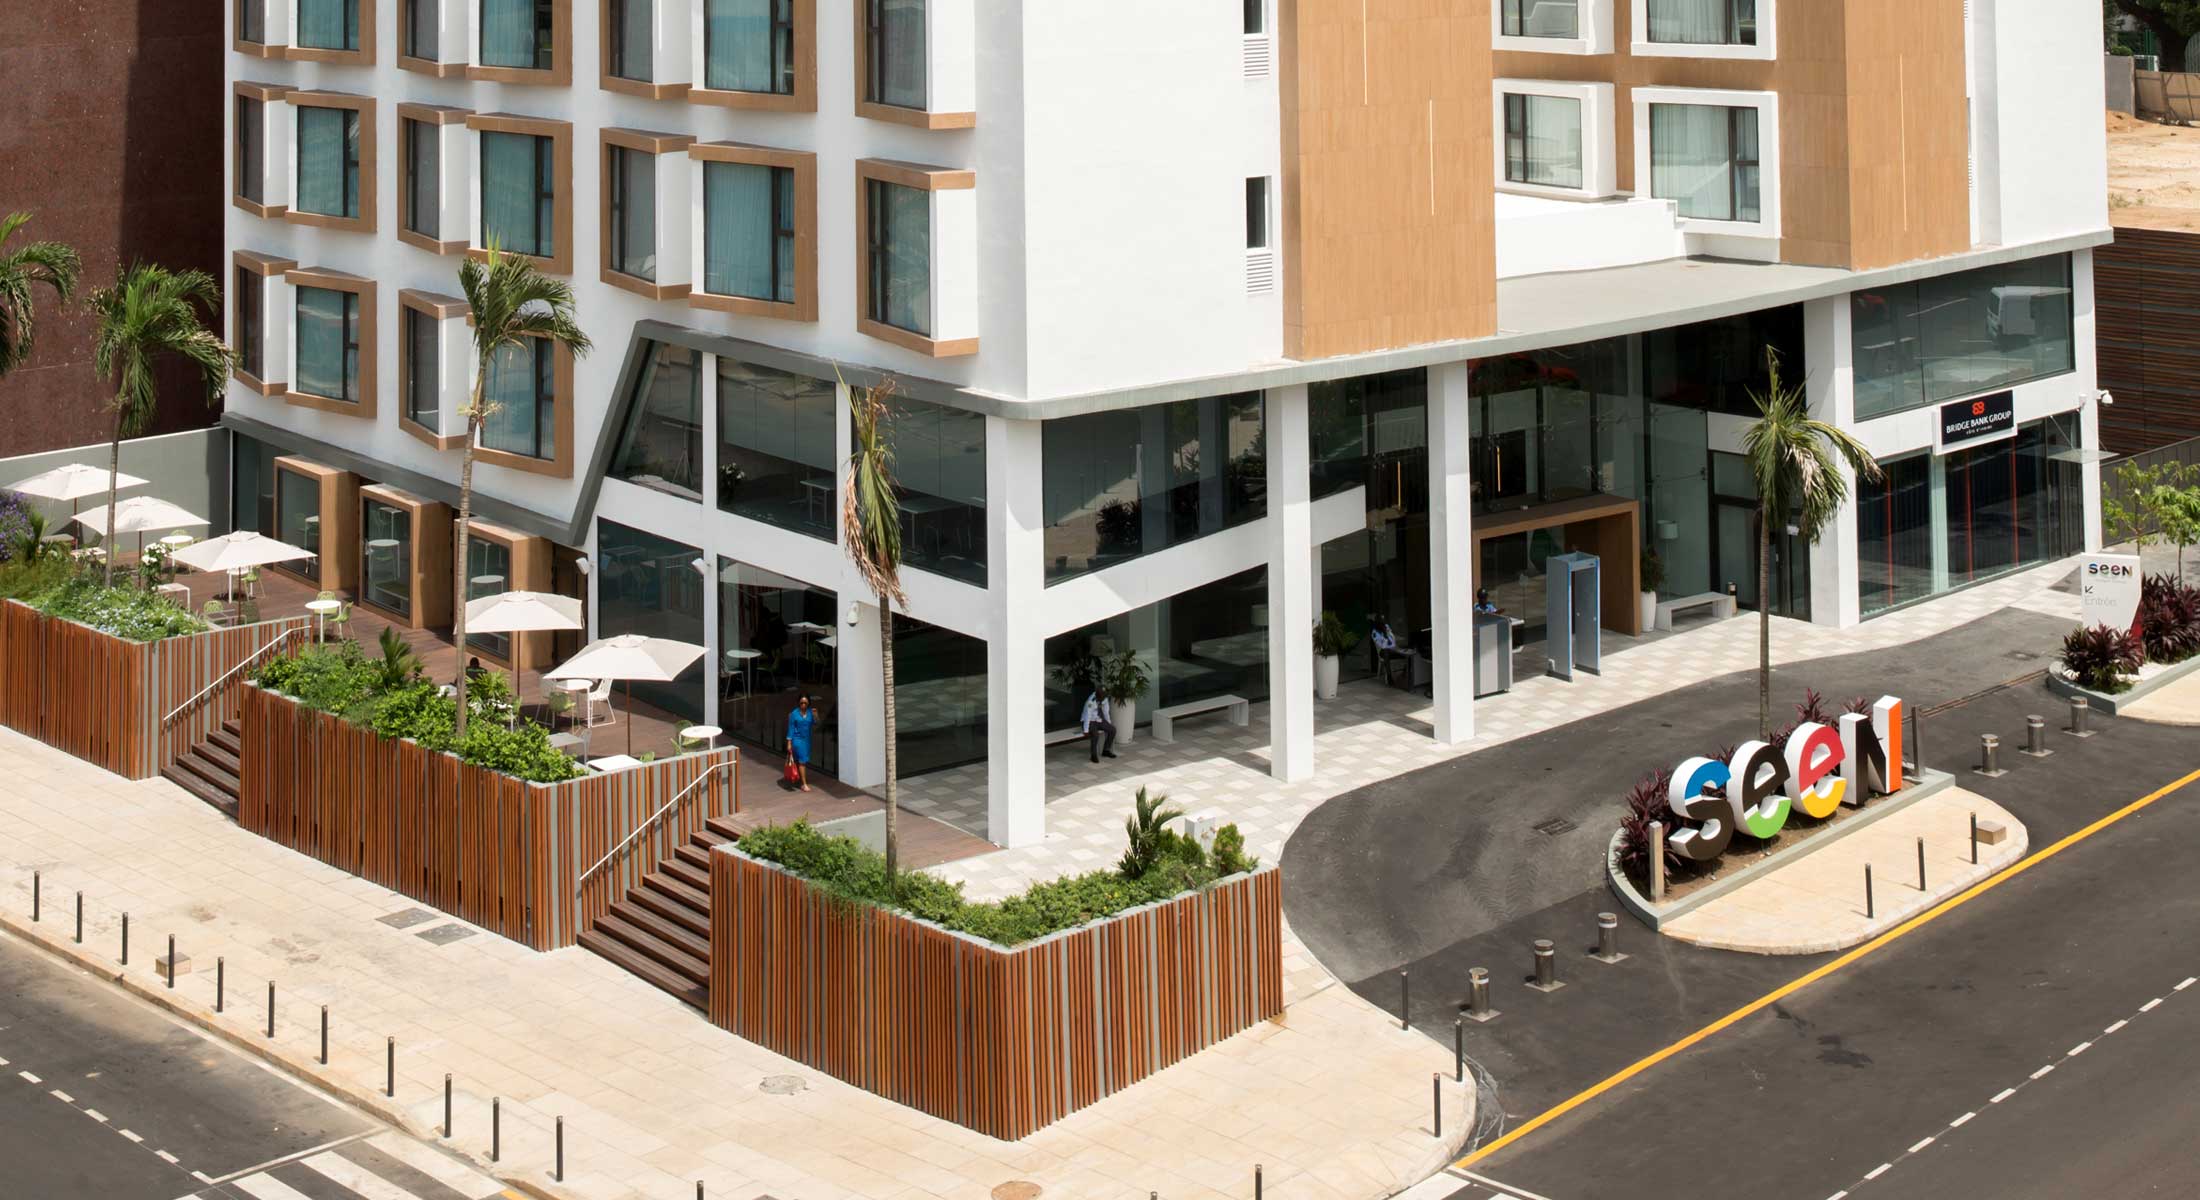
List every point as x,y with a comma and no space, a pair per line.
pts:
1290,588
714,662
2087,360
1830,386
1015,541
1451,552
860,684
1936,505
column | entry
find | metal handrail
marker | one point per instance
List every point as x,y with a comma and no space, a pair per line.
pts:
249,659
654,817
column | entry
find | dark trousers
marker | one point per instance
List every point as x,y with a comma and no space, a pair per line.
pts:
1095,732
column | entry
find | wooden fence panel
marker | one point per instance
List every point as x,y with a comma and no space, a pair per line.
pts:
1003,1040
2147,289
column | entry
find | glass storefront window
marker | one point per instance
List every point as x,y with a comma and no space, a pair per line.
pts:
1957,335
776,447
298,509
1122,484
488,571
385,550
650,586
939,460
252,486
939,697
662,447
1715,365
1372,432
1540,429
776,644
1208,641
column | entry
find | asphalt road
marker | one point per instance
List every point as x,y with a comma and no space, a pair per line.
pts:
104,1096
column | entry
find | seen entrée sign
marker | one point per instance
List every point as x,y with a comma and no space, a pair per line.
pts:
1981,419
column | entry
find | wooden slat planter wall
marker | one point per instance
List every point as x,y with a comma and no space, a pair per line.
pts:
500,852
102,698
1003,1040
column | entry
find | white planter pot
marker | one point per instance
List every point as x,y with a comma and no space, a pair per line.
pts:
1126,721
1325,676
1649,611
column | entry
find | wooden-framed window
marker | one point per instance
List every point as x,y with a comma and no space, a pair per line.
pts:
525,169
429,37
252,183
523,41
758,231
641,191
899,68
899,285
332,347
333,167
334,31
632,60
431,381
259,358
528,409
758,54
425,177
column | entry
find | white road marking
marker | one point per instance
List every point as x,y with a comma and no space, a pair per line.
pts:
2113,1028
165,1157
62,1096
29,1078
441,1168
2005,1094
1961,1121
2188,983
347,1173
2079,1049
2151,1005
1838,1195
1919,1146
267,1187
202,1177
3,1062
2042,1072
126,1133
294,1156
1879,1170
96,1115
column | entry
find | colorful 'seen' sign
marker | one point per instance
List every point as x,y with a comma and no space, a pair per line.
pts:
1817,771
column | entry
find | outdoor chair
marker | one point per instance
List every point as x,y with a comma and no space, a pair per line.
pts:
560,703
212,612
599,705
251,579
340,620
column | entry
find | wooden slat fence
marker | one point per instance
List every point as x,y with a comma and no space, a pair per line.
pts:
184,668
500,852
2147,292
1003,1040
103,698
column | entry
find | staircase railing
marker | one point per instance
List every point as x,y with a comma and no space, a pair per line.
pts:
229,675
581,885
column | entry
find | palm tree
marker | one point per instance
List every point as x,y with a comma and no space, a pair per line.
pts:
870,518
512,301
1796,461
151,312
53,264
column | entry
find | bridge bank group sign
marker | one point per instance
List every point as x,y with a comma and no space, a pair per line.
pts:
1818,769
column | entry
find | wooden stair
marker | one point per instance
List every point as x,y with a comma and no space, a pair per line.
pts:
210,770
660,931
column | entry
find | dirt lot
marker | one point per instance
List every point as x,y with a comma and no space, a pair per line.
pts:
2153,175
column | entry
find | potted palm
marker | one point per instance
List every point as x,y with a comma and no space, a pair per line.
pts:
1653,578
1122,677
1331,641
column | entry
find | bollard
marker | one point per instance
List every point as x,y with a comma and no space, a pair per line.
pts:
221,971
2081,717
698,1189
1867,891
1657,862
1989,756
324,1035
1256,1181
126,939
1917,741
34,897
1459,1049
1478,995
2035,737
496,1128
80,918
446,1104
1607,950
389,1061
171,962
1921,864
1546,967
1974,839
271,1008
1436,1102
1404,995
559,1174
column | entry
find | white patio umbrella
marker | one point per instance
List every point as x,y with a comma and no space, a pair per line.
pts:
234,552
71,482
523,612
629,657
139,515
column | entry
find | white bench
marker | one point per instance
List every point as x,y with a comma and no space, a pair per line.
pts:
1720,604
1056,737
1164,719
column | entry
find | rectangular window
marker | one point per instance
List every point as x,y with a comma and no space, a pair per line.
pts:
1256,213
385,556
1701,22
252,21
424,29
939,461
518,201
1543,140
633,51
328,24
898,253
662,447
649,585
748,231
1542,18
328,162
517,34
633,212
1122,484
775,448
522,398
251,336
251,149
1958,335
298,517
423,368
1256,17
328,344
423,145
1705,158
488,571
748,46
893,53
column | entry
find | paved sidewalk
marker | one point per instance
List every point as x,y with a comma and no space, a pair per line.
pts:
2176,704
1332,1098
1816,903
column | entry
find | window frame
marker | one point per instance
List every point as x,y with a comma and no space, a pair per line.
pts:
411,119
362,292
262,270
408,12
560,134
1599,127
1265,204
1592,31
925,179
365,163
1767,104
801,25
558,72
257,47
804,169
259,96
927,117
1766,48
413,304
655,145
363,28
560,462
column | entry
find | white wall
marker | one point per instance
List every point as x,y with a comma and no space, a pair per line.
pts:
2045,92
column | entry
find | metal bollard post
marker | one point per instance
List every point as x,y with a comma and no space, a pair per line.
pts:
1256,1181
496,1128
171,962
1657,862
1867,891
1917,742
1921,864
559,1174
126,939
80,918
698,1189
2035,737
1404,997
446,1104
2081,717
271,1008
389,1067
1478,995
1974,839
324,1035
1989,756
1459,1048
1436,1102
1607,939
221,971
1546,967
34,897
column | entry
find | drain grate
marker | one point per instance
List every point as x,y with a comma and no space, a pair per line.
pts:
1555,826
2022,655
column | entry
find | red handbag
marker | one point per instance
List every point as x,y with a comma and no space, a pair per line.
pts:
793,773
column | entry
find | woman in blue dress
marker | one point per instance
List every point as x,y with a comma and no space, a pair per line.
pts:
799,722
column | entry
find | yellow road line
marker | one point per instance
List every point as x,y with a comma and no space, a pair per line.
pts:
1798,984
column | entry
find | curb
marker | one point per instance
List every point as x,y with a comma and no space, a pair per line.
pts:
299,1066
2114,703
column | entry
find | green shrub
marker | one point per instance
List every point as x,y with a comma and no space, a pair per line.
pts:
1143,831
27,580
1230,856
2102,658
124,612
524,751
332,679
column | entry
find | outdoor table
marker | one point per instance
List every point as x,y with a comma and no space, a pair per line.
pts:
173,591
563,741
320,610
574,688
746,658
702,733
613,762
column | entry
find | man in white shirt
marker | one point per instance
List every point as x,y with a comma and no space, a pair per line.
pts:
1099,723
1387,654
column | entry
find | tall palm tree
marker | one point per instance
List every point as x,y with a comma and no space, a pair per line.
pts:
150,313
53,264
512,301
870,518
1797,463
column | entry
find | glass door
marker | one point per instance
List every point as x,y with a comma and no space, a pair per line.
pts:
1678,526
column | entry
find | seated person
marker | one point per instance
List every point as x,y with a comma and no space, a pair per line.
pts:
1483,603
1387,651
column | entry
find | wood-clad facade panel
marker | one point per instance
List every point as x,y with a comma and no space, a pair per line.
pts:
1003,1040
2146,290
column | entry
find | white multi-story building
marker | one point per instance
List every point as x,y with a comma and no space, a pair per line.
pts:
1201,319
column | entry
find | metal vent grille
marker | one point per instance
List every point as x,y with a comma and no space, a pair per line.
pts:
1260,56
1260,272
